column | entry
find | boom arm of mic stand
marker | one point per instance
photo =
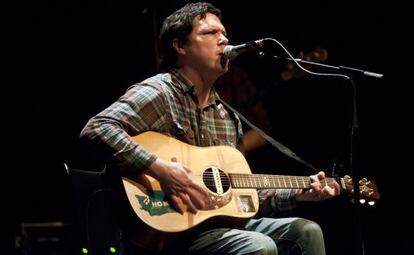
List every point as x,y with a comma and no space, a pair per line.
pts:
351,69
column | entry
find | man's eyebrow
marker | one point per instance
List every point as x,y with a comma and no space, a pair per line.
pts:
216,28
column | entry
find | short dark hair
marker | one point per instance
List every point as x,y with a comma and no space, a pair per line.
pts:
178,26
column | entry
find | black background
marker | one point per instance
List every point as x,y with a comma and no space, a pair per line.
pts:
73,58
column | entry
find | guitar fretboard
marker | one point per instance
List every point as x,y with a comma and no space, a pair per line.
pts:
262,181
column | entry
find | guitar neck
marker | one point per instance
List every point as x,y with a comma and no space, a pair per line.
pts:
263,181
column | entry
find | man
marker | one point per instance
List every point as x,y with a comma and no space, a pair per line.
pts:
182,103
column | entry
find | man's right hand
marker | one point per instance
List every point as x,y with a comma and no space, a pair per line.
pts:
178,186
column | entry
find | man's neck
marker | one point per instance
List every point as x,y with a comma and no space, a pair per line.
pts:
202,84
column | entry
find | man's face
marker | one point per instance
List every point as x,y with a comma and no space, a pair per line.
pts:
205,45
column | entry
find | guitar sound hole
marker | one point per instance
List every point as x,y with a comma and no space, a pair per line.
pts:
216,180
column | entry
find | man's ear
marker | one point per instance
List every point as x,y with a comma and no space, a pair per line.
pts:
178,46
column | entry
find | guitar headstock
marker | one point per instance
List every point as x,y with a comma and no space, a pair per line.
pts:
368,191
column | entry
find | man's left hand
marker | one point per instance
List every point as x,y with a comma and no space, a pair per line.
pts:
316,191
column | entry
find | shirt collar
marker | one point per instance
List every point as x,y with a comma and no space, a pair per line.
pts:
188,88
181,82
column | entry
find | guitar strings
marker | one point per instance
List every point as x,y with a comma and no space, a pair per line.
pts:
258,180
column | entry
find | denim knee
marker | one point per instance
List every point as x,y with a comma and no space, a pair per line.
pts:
310,229
262,244
310,237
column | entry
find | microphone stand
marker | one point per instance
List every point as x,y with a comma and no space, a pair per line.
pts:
359,243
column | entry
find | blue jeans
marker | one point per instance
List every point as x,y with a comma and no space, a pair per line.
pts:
265,236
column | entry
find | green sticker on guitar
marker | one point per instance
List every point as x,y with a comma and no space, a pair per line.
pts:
155,203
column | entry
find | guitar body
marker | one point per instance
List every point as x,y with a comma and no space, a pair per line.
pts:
149,202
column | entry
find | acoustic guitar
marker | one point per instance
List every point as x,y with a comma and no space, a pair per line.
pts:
224,172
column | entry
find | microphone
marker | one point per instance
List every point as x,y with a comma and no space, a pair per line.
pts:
230,52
